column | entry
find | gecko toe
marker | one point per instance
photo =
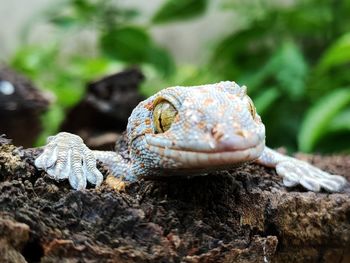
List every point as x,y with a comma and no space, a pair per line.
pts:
77,178
47,158
310,183
333,183
289,182
92,174
51,158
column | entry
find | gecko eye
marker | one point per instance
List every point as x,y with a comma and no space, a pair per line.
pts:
163,116
251,108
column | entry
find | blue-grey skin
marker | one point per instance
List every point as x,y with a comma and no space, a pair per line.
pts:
215,127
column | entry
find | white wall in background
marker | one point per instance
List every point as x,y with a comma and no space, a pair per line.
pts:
186,40
14,14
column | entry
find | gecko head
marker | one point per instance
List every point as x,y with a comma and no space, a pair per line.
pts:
196,128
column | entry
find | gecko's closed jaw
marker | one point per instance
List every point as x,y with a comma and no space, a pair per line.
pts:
192,159
229,142
212,151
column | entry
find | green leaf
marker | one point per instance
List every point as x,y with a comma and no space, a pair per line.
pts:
341,122
337,54
161,60
266,99
319,117
134,45
179,9
86,68
67,88
239,52
286,69
64,21
291,70
34,60
51,121
129,44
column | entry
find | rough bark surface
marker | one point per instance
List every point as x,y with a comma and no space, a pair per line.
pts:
243,215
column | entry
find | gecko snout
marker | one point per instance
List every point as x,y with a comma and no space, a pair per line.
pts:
227,140
219,132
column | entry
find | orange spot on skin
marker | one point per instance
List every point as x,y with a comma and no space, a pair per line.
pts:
201,125
221,111
148,130
148,122
186,125
149,105
208,101
239,109
161,151
142,165
177,118
231,96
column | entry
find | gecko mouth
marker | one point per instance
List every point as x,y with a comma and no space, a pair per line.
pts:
192,159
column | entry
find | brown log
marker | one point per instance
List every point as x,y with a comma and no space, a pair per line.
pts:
243,215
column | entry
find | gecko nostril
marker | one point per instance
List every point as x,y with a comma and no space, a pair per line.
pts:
217,133
240,133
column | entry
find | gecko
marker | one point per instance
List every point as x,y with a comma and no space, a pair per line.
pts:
183,131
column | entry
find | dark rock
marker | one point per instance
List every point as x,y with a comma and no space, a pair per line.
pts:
21,105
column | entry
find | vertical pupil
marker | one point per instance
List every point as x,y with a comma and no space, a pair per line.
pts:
160,122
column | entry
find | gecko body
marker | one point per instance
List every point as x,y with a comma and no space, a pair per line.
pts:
184,131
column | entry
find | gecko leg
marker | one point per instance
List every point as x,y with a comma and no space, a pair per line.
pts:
119,169
295,172
116,164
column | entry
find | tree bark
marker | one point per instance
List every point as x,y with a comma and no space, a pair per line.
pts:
241,215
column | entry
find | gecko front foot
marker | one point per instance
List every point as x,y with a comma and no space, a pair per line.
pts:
67,157
296,172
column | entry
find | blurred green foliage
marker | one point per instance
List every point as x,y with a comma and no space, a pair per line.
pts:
174,10
293,56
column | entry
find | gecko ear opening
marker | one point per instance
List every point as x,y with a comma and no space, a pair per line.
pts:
164,114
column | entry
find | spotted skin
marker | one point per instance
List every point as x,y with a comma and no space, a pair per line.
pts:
216,127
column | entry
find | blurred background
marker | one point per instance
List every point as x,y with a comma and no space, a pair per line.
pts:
293,55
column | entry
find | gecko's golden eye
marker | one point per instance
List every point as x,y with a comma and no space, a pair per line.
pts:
163,116
251,108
